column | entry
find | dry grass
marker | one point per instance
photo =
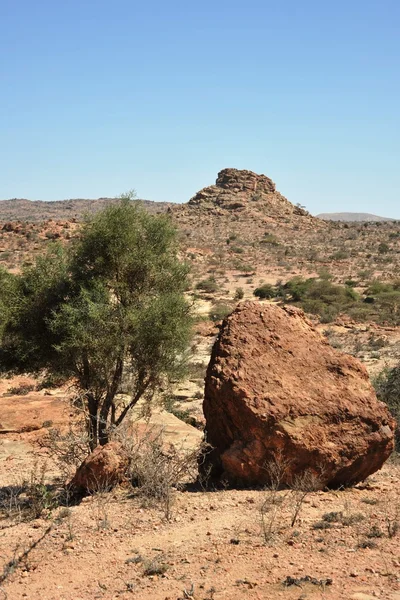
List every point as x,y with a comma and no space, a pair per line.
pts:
157,469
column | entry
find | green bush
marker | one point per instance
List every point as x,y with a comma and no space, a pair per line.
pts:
231,238
270,239
380,301
207,285
325,274
383,248
265,291
318,296
377,287
219,311
21,390
326,313
239,294
237,249
239,265
340,255
387,386
386,300
295,289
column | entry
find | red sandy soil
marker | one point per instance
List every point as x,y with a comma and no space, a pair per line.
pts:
214,542
213,546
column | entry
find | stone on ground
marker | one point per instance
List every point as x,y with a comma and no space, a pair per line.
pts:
102,469
277,392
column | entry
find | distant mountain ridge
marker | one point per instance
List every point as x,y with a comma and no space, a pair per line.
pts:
21,209
350,216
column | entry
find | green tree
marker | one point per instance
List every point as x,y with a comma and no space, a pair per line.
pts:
387,386
111,310
7,295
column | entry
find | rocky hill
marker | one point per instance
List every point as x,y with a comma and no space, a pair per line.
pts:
240,190
243,204
243,221
237,228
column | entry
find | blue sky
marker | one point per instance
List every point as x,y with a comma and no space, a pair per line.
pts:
100,97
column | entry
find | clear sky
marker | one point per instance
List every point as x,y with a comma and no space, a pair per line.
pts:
98,97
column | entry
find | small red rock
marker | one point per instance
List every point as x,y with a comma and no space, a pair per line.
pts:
102,469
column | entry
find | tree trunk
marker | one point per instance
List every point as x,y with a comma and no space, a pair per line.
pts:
103,423
93,421
108,404
135,400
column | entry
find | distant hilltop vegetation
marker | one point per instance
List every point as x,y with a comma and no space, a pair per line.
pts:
350,216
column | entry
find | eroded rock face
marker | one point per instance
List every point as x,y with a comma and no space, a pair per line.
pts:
105,467
276,389
240,180
237,189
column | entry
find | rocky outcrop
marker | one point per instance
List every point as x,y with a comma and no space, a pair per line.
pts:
244,181
240,189
104,468
275,389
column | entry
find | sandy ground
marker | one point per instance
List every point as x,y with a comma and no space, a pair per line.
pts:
214,546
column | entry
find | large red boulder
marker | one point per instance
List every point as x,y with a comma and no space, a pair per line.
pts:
276,388
105,467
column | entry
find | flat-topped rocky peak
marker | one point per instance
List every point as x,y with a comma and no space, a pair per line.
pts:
237,189
244,181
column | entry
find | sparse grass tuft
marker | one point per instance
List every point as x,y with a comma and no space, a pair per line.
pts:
155,566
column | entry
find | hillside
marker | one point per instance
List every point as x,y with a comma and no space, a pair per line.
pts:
20,209
352,217
241,229
243,218
243,224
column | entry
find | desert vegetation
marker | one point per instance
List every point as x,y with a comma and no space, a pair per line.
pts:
387,385
109,311
106,334
376,301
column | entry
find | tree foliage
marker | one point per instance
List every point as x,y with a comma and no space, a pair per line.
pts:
387,386
265,291
111,310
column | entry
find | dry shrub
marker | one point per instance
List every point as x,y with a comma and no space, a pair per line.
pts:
21,390
275,500
391,511
30,498
282,501
69,449
157,469
11,505
101,505
41,498
155,566
303,485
